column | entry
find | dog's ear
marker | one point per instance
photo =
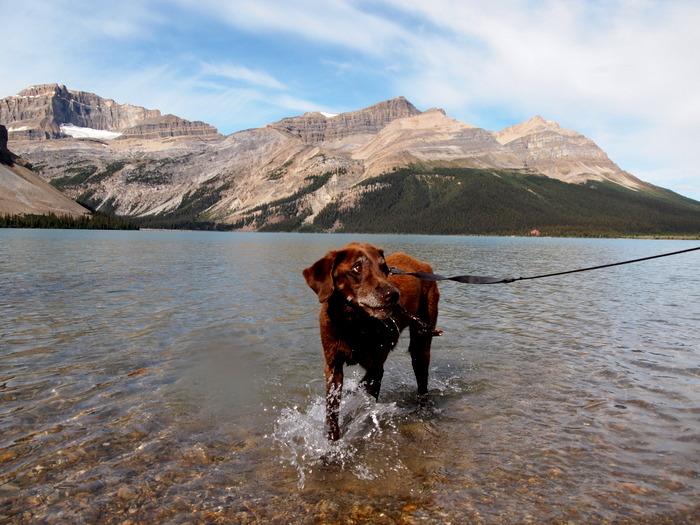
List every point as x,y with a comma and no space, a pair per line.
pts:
319,276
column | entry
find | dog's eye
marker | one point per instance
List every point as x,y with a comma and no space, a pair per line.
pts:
357,268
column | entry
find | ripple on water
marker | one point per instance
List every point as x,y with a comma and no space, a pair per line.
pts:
564,401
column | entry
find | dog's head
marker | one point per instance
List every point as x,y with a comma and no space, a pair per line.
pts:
358,272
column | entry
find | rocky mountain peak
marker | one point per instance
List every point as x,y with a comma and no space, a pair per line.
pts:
534,125
42,112
319,128
432,137
41,90
544,146
433,119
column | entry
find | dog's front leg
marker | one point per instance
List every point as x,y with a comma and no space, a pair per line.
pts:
334,392
372,381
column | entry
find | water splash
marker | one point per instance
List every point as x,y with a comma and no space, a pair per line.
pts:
366,426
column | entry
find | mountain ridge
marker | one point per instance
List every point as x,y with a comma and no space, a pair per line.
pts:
291,171
38,113
537,143
317,128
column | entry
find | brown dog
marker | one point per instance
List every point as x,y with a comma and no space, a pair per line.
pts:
363,311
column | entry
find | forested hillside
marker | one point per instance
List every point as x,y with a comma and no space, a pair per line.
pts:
490,202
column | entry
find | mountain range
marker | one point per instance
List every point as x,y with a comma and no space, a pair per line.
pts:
413,171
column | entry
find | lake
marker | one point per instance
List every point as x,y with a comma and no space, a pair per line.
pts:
177,377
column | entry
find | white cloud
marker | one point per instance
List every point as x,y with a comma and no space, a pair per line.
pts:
297,105
558,53
241,73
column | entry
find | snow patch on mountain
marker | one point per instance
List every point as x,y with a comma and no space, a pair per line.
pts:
87,133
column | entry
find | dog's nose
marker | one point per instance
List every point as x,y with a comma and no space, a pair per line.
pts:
391,296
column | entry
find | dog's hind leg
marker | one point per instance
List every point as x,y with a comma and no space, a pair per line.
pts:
421,339
419,348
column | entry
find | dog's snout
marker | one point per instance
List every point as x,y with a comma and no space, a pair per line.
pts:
391,295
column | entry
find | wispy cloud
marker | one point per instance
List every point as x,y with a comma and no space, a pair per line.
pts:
330,22
241,73
612,56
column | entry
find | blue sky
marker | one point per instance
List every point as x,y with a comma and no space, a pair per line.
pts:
624,73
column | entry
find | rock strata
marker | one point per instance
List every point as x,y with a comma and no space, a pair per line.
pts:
434,138
38,112
545,147
318,128
169,126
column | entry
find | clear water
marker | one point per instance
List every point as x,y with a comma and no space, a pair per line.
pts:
176,377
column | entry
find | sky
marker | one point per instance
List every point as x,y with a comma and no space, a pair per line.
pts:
624,73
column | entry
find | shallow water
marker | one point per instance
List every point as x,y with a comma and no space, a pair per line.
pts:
176,377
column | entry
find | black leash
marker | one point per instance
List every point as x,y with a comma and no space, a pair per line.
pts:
478,279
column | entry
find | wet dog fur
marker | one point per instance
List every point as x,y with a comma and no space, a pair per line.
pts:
361,317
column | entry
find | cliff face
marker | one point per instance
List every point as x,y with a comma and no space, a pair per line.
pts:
169,126
317,128
38,112
6,156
